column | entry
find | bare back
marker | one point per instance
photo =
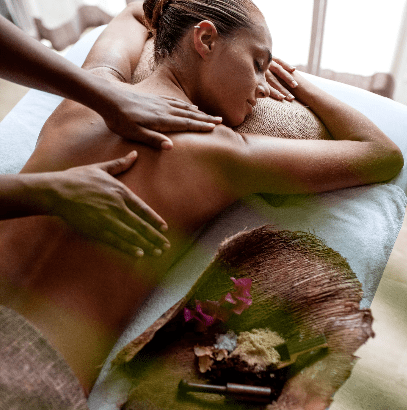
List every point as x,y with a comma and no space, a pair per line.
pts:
74,288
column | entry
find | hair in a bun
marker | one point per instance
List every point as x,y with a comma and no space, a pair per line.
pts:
170,19
153,10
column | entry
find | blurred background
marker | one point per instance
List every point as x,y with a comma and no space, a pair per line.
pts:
359,42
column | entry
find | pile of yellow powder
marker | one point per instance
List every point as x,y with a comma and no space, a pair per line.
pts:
257,347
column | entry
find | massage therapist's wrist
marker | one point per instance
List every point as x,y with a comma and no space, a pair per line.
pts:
103,97
39,193
24,195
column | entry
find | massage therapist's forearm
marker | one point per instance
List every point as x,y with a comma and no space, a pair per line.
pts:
26,61
19,196
143,118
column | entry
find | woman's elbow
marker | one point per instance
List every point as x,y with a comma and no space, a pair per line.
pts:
382,163
398,160
394,162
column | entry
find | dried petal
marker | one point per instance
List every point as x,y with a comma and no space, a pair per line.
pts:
229,298
211,307
207,320
242,287
206,313
188,315
246,301
220,354
202,351
205,363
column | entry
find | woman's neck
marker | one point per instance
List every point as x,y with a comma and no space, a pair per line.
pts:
171,81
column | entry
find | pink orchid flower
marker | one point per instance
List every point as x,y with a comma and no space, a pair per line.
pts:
208,312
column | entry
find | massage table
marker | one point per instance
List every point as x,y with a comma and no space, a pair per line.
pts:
360,223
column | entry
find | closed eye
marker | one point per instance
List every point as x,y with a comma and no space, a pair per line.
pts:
263,60
258,65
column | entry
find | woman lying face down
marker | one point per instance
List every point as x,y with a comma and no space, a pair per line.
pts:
81,294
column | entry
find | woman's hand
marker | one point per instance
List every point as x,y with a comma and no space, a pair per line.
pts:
278,69
99,206
144,117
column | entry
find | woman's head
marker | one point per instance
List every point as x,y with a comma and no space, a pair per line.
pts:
222,47
171,19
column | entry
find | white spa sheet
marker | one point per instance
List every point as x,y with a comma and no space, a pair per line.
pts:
361,223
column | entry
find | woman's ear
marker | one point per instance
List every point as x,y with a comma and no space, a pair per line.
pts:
205,37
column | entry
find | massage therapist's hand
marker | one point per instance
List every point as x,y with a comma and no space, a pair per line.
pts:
99,206
279,69
139,117
144,117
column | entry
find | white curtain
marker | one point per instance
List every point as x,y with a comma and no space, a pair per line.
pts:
62,21
358,43
290,24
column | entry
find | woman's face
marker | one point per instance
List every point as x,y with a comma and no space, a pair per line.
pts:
235,77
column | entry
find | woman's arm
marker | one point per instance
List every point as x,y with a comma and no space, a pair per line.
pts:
120,45
360,154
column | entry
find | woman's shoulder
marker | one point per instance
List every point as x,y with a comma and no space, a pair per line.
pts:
221,137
